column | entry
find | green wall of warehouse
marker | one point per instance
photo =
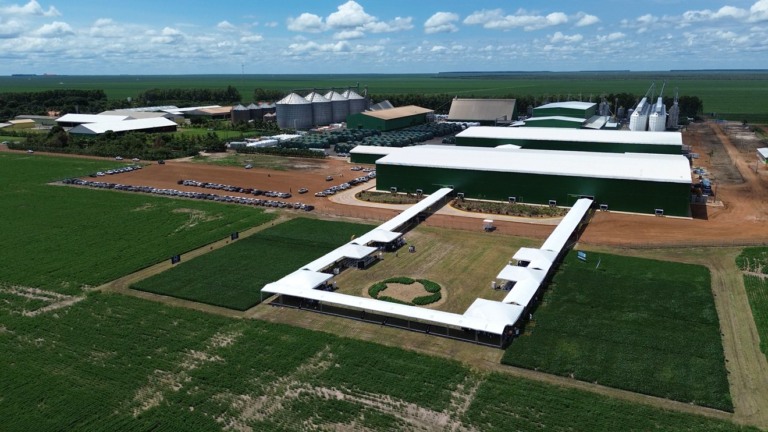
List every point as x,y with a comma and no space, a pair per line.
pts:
552,123
567,112
363,121
571,146
364,158
620,195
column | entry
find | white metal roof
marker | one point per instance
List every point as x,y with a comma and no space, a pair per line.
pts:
90,118
414,210
374,150
573,135
305,279
559,118
522,293
508,147
531,254
624,166
515,273
377,235
348,250
569,105
122,126
562,232
763,152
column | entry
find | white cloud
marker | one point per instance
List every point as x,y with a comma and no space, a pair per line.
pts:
54,29
349,15
349,34
560,37
395,25
585,19
225,25
10,29
441,22
306,22
438,48
168,36
611,37
759,11
251,38
270,24
496,20
31,8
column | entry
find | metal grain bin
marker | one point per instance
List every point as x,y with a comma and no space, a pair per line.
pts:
240,114
357,103
322,113
339,106
294,112
255,112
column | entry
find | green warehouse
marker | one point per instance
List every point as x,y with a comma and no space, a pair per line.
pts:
586,140
637,183
390,119
582,110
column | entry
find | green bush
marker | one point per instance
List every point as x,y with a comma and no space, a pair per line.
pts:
428,299
400,279
428,285
376,288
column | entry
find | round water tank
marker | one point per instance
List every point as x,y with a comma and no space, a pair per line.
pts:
294,112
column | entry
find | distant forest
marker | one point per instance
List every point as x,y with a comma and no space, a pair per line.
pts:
95,101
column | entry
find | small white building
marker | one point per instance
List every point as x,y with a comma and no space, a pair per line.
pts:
762,154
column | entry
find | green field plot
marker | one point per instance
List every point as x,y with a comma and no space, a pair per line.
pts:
753,259
113,362
757,291
64,238
636,324
232,277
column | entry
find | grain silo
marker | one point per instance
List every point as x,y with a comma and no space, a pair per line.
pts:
294,112
267,107
322,114
240,114
339,106
255,112
357,103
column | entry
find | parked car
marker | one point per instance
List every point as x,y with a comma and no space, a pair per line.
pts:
329,178
249,166
30,151
303,190
161,162
118,158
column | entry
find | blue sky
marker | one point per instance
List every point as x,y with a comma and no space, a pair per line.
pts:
91,37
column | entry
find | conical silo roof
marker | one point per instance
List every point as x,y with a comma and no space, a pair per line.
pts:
239,107
292,99
253,106
315,97
351,94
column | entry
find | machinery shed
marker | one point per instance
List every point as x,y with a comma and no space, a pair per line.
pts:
389,119
630,182
488,112
585,140
583,110
368,154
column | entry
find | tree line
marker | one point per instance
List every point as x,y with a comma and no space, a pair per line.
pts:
189,96
57,101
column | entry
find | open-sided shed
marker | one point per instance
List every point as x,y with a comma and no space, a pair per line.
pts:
389,119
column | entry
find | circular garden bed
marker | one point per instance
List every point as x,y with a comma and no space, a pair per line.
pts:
432,289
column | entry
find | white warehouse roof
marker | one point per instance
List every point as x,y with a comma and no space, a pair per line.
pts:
573,135
623,166
569,105
374,150
122,126
90,118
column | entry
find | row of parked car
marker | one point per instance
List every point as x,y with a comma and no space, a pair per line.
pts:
231,188
346,185
124,169
186,194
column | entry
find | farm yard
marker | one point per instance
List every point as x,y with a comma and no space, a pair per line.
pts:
232,277
641,325
98,360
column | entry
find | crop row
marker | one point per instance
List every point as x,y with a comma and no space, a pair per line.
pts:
757,292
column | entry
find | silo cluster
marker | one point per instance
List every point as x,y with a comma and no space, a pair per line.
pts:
294,112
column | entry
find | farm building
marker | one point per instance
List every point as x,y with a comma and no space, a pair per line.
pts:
586,140
582,110
157,124
488,112
368,154
631,182
390,119
554,122
39,120
72,120
762,154
210,113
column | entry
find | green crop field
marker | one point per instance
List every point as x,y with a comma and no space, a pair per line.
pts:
753,259
735,95
113,362
233,276
642,325
757,292
63,238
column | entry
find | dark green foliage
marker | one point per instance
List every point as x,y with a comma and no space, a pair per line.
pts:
189,96
233,276
753,259
757,292
504,208
503,403
637,324
63,101
280,151
62,238
432,287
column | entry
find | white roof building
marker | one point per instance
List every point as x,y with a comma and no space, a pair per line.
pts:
574,135
124,126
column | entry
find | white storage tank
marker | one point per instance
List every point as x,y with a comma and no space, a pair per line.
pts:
322,114
339,106
294,112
